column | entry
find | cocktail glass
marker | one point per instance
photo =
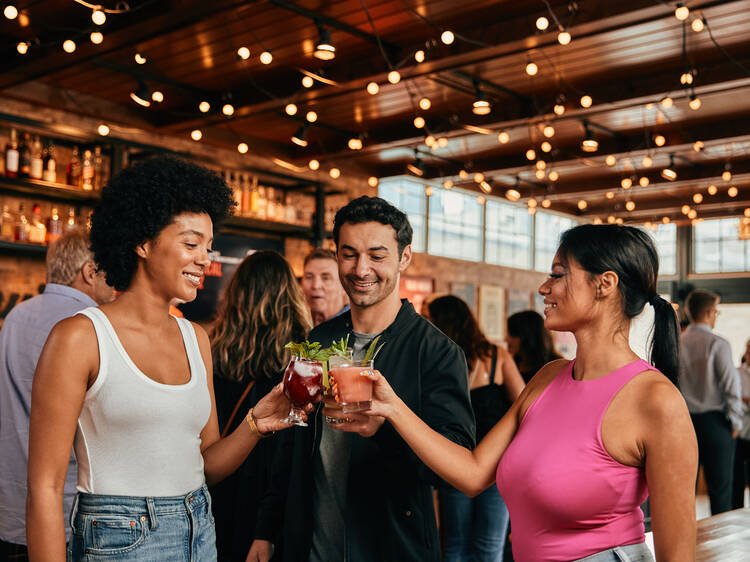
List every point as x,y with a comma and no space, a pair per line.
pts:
333,362
353,385
303,382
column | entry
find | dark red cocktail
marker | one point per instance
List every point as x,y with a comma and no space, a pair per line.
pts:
303,383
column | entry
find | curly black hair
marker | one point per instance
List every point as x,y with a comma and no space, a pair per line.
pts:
142,200
374,209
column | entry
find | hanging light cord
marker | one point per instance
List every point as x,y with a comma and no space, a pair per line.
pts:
124,10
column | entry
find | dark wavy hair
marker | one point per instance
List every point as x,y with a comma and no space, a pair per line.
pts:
374,209
263,308
536,346
453,317
142,200
631,254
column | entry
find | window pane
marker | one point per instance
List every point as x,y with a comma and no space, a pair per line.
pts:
455,228
548,229
717,248
665,239
409,197
508,235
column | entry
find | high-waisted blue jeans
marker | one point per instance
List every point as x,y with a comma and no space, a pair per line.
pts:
638,552
474,528
117,528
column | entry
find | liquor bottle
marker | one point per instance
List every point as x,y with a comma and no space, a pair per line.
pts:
245,195
270,204
21,228
49,164
54,226
291,211
74,169
87,171
37,164
12,156
98,169
253,211
71,222
6,224
262,202
37,230
24,169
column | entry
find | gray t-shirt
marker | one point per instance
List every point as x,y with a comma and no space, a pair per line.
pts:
330,472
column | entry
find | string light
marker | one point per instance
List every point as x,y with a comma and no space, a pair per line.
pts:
546,203
685,209
610,160
291,109
669,173
463,174
307,81
697,25
698,146
141,96
644,181
98,16
372,88
355,143
559,109
726,175
448,184
539,174
542,23
313,164
532,202
611,219
531,68
419,122
610,195
597,220
682,12
394,77
478,177
481,200
430,141
692,213
582,204
242,148
686,78
96,37
626,183
486,187
69,46
243,53
23,47
630,205
425,104
732,191
102,129
554,175
697,198
586,101
266,57
299,138
513,194
647,161
481,106
712,189
442,142
227,109
503,137
667,102
546,146
531,154
324,49
419,56
157,96
619,220
548,131
589,142
541,165
196,135
372,181
139,58
564,38
447,37
204,107
659,140
10,11
665,220
694,103
747,212
428,191
335,173
311,116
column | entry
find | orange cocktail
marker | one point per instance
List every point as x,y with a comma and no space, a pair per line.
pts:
352,385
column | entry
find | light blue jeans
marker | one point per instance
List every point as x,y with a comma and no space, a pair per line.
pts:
474,528
117,528
629,553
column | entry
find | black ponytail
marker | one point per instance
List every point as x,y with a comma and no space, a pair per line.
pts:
631,254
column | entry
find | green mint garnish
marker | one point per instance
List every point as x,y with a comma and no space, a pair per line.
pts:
373,349
308,350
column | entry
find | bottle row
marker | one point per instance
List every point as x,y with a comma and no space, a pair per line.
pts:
27,157
267,203
35,227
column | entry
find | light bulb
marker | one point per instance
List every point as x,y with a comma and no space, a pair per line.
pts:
685,209
394,77
546,146
307,81
747,212
442,142
372,88
196,135
419,122
697,198
542,23
430,141
611,219
698,146
559,109
103,129
644,181
712,189
447,37
697,25
242,148
532,68
548,131
531,154
204,107
481,200
686,78
448,184
541,165
513,194
96,37
619,220
732,191
419,56
291,109
647,162
311,116
69,46
692,214
425,104
485,186
626,183
597,220
23,47
313,164
546,203
695,103
10,12
532,202
726,175
582,204
681,12
503,137
667,102
227,109
665,220
659,140
139,58
157,96
266,57
98,16
243,53
610,195
610,160
478,177
463,174
335,173
539,174
372,181
354,143
630,205
554,175
586,101
563,38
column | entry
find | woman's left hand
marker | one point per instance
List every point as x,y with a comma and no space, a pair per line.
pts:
273,408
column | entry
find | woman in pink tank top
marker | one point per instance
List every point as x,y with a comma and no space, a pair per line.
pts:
588,440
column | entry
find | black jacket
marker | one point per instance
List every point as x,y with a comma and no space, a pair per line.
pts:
389,510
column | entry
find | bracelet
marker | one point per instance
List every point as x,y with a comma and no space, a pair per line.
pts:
252,422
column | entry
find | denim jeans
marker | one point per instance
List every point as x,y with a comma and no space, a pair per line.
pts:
630,553
115,528
474,528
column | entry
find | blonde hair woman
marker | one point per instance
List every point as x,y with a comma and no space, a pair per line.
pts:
263,308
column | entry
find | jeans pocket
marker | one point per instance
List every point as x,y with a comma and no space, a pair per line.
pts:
114,534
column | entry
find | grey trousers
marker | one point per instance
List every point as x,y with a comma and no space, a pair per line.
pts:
629,553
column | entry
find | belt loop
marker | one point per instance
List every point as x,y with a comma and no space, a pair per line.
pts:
152,513
206,493
74,510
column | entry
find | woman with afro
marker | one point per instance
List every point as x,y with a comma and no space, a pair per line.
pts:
130,387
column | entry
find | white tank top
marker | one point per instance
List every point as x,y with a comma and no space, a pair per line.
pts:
135,436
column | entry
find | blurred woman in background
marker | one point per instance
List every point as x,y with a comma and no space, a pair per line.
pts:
263,309
475,528
529,342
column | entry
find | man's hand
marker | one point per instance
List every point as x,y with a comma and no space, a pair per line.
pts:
260,551
366,426
735,433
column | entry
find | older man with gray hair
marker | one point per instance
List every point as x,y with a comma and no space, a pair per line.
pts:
73,283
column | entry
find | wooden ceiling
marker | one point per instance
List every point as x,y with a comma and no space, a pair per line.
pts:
628,55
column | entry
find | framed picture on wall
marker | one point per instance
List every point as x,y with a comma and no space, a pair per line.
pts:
492,311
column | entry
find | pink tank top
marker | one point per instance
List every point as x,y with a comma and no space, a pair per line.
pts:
567,497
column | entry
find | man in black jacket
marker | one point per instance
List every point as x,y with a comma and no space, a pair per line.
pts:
356,492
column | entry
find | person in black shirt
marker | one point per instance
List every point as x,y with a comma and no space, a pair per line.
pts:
529,342
355,490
